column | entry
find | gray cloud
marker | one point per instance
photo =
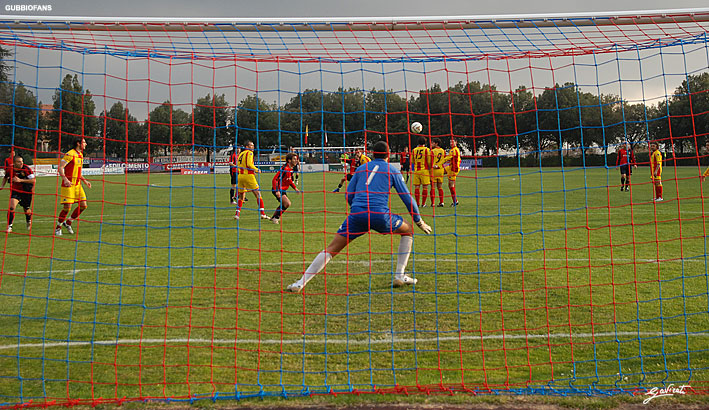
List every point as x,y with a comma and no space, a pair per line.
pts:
327,8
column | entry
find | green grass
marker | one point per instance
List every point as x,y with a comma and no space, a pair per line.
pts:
537,279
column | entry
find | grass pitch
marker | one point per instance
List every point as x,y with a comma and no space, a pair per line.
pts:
539,279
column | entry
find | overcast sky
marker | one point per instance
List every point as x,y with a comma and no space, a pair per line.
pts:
41,68
327,8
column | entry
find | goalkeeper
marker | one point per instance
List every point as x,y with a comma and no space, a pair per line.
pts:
368,196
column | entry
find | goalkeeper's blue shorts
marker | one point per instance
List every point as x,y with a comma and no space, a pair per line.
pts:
360,221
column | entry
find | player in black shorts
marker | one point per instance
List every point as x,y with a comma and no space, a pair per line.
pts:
232,173
296,174
22,179
625,161
406,163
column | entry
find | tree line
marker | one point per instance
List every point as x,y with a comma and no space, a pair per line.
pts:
561,115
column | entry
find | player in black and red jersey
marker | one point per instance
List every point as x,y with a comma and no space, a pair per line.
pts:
359,159
626,162
405,162
280,184
22,180
7,167
233,172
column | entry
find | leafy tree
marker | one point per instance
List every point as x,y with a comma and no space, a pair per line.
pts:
385,119
167,129
433,105
345,116
19,116
122,135
4,68
559,117
209,118
562,116
612,128
486,121
636,119
303,109
523,103
257,121
73,114
688,113
349,116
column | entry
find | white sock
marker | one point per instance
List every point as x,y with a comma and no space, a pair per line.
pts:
402,259
318,265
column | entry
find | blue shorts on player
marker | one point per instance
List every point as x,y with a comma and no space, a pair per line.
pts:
361,221
368,196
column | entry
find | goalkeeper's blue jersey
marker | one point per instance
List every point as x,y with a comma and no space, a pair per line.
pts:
368,191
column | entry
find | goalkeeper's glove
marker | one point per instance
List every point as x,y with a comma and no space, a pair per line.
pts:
426,228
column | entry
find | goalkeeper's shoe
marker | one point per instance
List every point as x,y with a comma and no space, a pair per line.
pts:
68,228
9,229
404,280
276,220
295,287
336,189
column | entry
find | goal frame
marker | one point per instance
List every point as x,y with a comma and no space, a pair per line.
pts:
393,23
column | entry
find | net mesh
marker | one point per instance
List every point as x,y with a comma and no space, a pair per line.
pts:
558,272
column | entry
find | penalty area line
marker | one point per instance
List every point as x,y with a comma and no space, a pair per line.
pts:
350,262
385,339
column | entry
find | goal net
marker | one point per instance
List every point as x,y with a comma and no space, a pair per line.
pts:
573,263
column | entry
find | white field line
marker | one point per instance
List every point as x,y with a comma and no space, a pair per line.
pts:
337,217
385,339
204,213
344,261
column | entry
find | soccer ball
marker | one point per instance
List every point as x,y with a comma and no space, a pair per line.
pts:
416,127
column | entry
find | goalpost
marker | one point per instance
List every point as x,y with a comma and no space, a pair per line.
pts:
545,279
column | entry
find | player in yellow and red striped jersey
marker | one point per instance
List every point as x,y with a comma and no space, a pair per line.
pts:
363,158
438,156
247,179
421,158
656,169
452,167
706,172
72,192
